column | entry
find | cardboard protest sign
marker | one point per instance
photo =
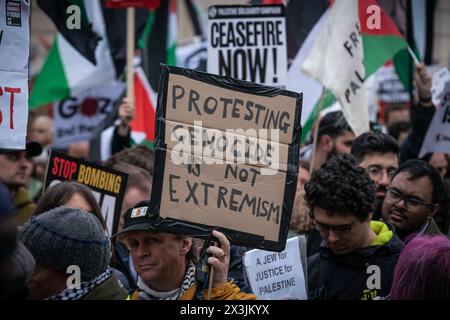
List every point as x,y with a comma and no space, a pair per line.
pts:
226,157
14,53
437,138
248,43
278,276
76,118
107,185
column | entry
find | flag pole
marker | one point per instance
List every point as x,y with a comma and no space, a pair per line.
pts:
316,131
130,55
411,52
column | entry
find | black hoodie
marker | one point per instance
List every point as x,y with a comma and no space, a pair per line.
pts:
349,276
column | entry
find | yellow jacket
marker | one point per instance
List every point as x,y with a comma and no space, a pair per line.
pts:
229,291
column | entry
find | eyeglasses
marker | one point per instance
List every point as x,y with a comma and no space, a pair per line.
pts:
393,197
376,172
341,230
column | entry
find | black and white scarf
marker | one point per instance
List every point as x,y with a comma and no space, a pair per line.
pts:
188,281
85,288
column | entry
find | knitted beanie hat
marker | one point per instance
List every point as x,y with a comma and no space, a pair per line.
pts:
62,237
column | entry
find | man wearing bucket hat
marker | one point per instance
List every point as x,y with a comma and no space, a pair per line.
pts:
165,263
15,168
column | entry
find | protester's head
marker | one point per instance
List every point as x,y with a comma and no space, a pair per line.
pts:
303,175
334,134
15,165
413,197
422,270
139,187
395,113
42,130
69,194
439,161
341,200
79,149
442,217
377,153
63,238
139,156
399,130
160,258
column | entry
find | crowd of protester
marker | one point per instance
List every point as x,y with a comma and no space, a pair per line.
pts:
361,201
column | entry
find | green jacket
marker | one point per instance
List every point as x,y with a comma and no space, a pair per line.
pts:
110,289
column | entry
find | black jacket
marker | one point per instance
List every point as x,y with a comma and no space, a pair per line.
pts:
345,277
421,118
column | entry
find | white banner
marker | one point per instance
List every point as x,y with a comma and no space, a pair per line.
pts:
437,138
440,78
248,43
277,275
76,118
14,53
338,67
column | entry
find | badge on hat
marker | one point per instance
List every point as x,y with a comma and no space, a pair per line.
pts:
138,212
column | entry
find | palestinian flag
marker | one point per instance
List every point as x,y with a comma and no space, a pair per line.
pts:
143,124
157,41
417,24
80,60
356,39
66,13
72,68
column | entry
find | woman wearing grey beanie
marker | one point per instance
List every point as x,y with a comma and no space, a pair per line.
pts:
72,255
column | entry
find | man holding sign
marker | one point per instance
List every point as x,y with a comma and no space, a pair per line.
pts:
226,157
165,262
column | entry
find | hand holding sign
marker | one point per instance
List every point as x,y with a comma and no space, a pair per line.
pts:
126,115
221,259
423,82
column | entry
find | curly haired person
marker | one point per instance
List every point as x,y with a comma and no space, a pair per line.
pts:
357,257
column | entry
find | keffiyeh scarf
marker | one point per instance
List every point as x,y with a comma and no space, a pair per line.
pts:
85,288
188,281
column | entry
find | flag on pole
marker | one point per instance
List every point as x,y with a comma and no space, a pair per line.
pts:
69,70
143,124
299,82
356,39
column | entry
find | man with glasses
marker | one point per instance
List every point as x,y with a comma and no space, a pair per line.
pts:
377,153
357,257
413,198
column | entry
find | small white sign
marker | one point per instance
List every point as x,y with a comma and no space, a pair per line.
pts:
14,54
76,118
437,138
277,275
